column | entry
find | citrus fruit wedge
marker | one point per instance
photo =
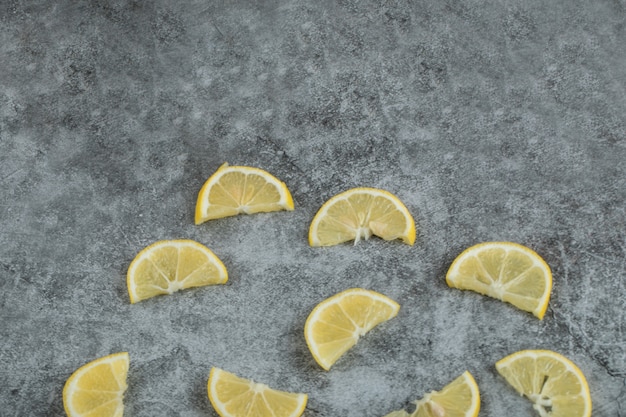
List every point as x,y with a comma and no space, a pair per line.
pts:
97,388
460,398
552,382
506,271
233,190
171,265
358,214
232,396
337,323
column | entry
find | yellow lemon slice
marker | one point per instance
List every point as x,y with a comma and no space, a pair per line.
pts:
460,398
552,382
233,190
232,396
506,271
337,323
97,388
171,265
358,214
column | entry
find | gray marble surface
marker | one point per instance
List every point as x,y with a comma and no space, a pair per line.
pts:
491,120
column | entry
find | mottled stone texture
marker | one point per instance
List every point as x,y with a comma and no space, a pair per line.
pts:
491,120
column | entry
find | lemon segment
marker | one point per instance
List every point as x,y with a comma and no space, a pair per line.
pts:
234,190
97,388
337,323
506,271
232,396
168,266
460,398
359,213
555,385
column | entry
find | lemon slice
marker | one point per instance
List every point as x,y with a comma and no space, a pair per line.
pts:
233,190
360,213
171,265
97,388
506,271
552,382
232,396
460,398
337,323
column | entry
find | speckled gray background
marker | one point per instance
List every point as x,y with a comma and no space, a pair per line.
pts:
491,120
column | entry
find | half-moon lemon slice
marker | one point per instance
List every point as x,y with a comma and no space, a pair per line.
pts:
232,396
359,213
171,265
337,323
97,388
555,385
233,190
506,271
